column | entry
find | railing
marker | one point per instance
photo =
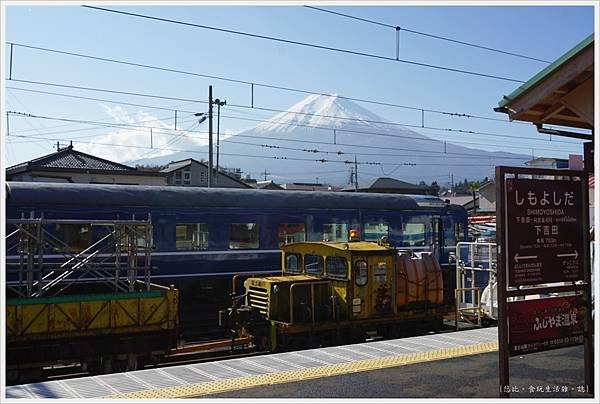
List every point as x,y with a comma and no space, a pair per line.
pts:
35,272
476,273
459,312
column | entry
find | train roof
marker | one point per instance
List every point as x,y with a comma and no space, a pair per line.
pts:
353,246
100,195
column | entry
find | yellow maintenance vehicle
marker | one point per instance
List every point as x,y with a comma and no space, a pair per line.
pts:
335,292
101,332
85,308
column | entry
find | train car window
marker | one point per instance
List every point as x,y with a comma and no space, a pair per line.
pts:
361,273
413,234
313,264
291,233
293,263
141,236
191,236
75,237
243,236
436,229
335,232
337,267
459,231
374,231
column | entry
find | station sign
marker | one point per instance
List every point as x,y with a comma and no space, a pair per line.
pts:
542,220
543,324
544,231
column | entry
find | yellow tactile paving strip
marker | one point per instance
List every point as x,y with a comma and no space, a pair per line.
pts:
240,383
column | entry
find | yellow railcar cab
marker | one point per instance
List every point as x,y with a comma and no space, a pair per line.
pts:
333,291
361,273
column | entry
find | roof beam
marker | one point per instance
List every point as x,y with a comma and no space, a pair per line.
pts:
577,101
558,79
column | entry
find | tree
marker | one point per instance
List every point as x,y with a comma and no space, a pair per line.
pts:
435,188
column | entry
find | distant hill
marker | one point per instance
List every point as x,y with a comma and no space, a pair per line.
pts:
405,152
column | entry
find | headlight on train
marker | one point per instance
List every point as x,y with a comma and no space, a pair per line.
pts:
275,288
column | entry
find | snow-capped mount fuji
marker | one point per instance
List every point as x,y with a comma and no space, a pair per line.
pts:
319,111
292,145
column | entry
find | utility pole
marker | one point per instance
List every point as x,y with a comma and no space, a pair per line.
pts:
219,104
265,173
210,137
355,174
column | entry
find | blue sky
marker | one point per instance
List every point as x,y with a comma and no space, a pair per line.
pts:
545,32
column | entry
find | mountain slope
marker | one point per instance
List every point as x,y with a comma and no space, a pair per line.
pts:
320,136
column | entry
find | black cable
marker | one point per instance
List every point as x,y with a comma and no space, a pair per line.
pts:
144,128
225,154
348,162
428,139
311,45
299,113
271,86
98,99
395,27
395,124
109,91
106,124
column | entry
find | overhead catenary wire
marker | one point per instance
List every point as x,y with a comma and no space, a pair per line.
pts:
135,124
246,119
348,162
144,128
442,38
270,138
162,97
302,113
174,108
306,44
172,141
424,139
399,124
270,86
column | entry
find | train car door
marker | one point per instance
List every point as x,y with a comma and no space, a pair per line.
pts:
361,298
437,237
373,279
381,284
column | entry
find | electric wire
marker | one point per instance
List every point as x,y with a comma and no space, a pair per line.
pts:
304,113
270,86
400,28
158,131
307,44
348,162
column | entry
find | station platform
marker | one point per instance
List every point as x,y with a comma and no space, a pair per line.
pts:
210,378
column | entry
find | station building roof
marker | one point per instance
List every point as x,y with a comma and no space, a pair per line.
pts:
561,94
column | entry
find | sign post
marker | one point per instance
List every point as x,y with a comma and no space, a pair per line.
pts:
542,229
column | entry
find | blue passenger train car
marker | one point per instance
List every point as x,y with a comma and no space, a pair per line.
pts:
203,236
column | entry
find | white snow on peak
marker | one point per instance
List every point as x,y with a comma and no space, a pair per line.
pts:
320,110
